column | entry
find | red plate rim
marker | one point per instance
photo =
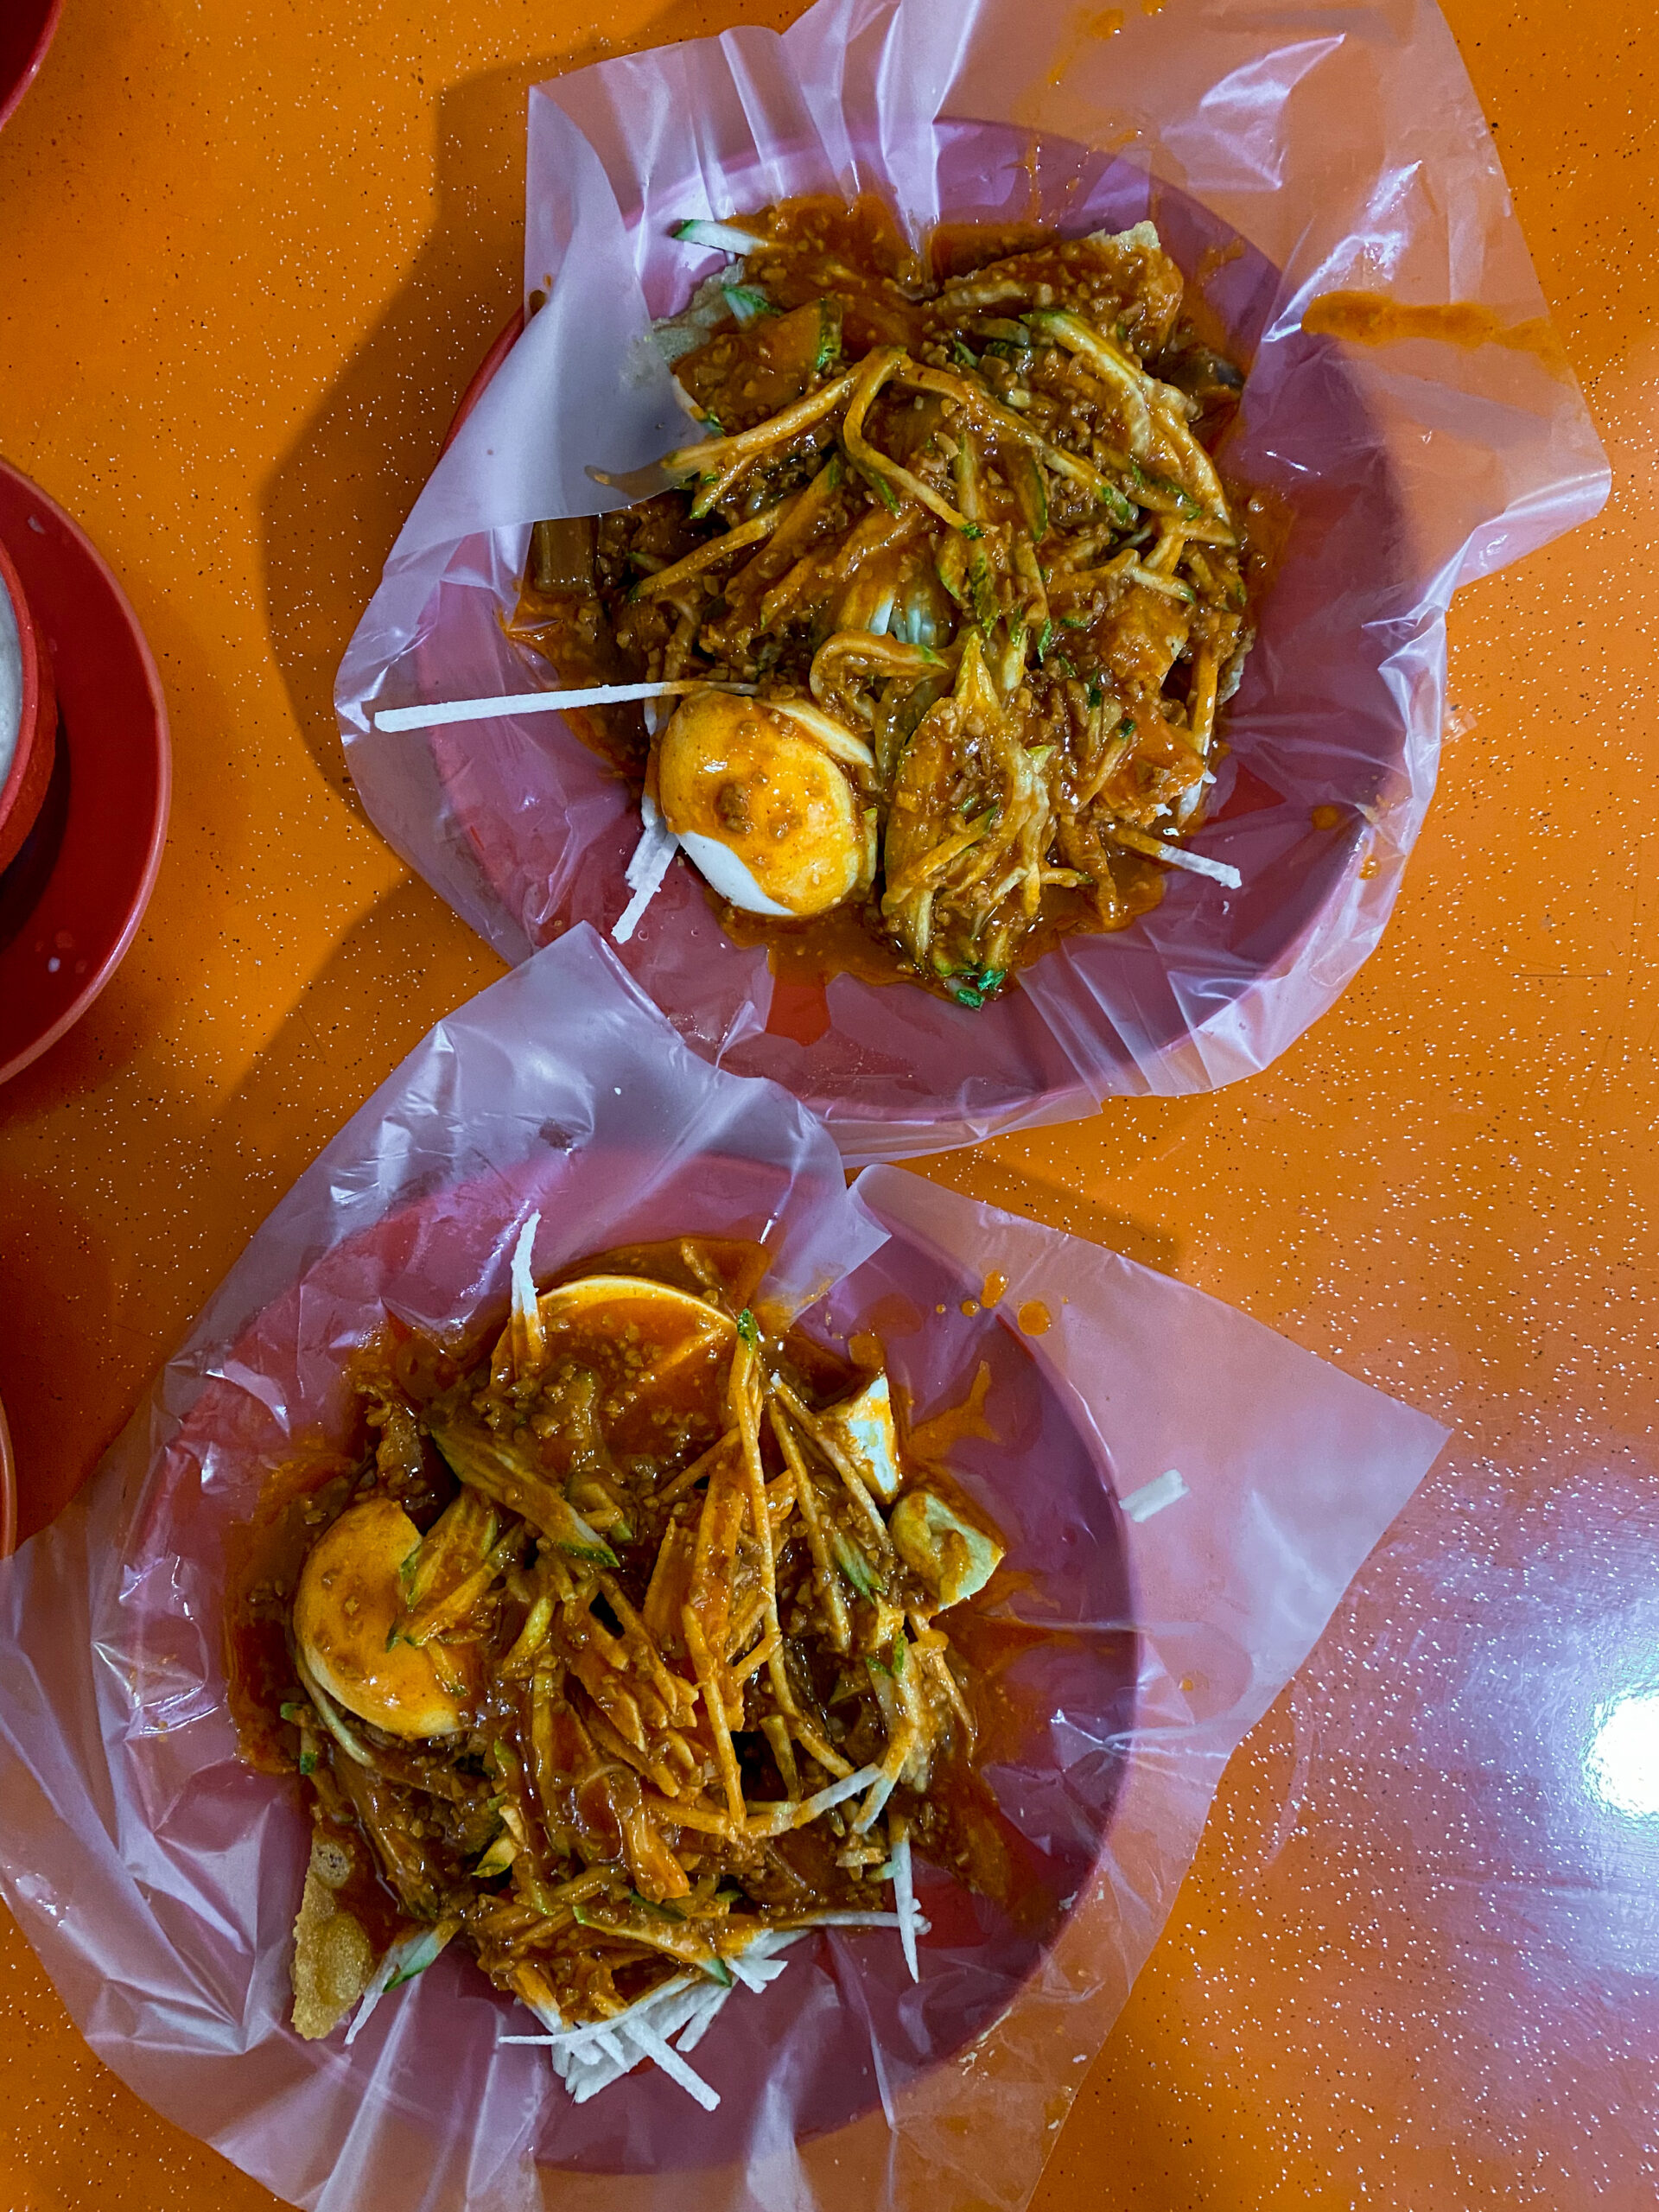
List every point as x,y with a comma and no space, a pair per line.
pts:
262,1346
10,95
7,1491
135,638
511,331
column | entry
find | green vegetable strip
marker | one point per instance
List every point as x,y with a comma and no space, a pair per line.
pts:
508,1476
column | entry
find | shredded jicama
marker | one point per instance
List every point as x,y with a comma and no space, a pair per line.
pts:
401,1963
903,1897
589,2058
681,1713
1181,856
652,857
971,525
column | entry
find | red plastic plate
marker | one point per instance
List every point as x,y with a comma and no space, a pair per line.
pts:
1315,714
1065,1670
7,1491
71,900
26,27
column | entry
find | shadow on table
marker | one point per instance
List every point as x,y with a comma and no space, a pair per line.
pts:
335,502
398,971
399,968
1063,1209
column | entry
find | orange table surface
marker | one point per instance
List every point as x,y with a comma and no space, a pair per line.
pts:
248,258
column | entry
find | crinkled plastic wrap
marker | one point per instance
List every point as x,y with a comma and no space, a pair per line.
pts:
1285,150
158,1876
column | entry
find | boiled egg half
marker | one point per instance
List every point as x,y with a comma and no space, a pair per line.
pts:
657,1353
349,1599
757,793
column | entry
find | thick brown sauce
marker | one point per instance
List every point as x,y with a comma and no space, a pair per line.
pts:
956,1821
846,940
822,249
958,249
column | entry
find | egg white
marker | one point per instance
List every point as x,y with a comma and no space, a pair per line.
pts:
729,875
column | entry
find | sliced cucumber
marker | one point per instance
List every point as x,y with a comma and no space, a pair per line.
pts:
724,238
747,304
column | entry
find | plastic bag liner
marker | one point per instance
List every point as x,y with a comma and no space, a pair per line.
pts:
1285,150
158,1876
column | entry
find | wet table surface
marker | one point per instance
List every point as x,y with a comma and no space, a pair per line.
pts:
248,258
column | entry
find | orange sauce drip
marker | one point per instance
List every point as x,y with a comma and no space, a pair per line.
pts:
894,1316
1373,319
1214,258
1326,817
1034,1317
994,1284
1089,23
933,1438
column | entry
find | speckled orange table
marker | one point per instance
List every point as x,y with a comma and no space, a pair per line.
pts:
248,258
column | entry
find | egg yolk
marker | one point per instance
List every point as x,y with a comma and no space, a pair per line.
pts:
349,1599
738,782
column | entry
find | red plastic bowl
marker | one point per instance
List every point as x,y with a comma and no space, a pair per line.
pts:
23,790
546,830
7,1491
1066,1682
71,898
27,28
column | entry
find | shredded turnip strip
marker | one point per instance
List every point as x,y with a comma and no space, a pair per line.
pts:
654,830
702,2019
1167,1489
774,1819
1176,856
393,1968
651,2045
372,1996
755,1973
646,871
1200,864
849,1920
593,2055
529,1343
904,1896
436,712
870,1811
849,1786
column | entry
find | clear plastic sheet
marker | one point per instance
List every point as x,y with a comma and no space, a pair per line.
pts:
1285,150
158,1877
